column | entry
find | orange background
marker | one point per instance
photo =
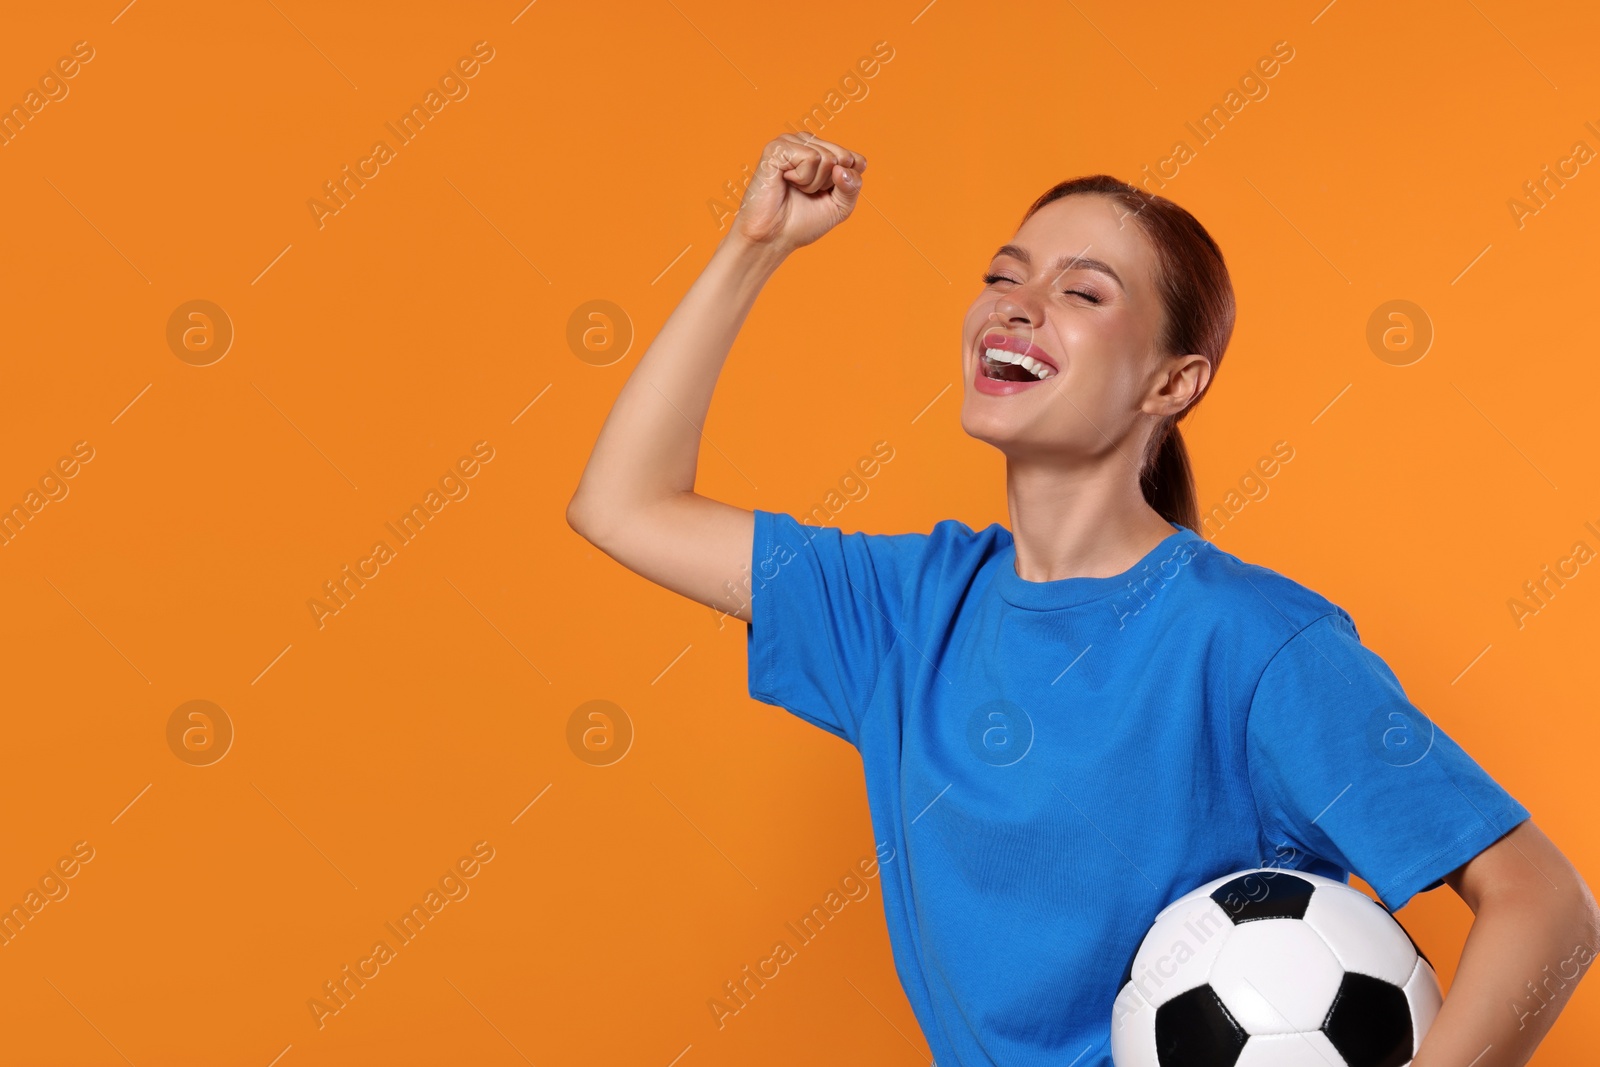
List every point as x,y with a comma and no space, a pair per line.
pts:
370,353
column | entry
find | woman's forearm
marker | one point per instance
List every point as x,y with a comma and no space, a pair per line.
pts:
649,446
1523,957
635,500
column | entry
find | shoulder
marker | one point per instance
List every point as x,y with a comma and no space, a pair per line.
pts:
933,570
946,538
950,552
946,544
953,540
924,578
1255,604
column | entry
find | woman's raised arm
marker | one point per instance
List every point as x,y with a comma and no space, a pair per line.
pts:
635,500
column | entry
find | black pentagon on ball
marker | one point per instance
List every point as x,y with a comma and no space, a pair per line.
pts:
1195,1029
1369,1022
1263,895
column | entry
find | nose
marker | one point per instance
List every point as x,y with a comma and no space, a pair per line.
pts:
1018,307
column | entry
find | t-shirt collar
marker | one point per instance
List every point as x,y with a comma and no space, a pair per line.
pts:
1070,592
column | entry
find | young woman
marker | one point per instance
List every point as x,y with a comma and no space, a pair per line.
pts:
1068,723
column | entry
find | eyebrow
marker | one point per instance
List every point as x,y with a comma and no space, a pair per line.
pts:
1063,263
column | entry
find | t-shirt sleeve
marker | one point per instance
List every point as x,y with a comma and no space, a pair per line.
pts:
825,612
1347,768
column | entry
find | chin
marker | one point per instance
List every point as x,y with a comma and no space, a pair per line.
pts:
990,430
1002,431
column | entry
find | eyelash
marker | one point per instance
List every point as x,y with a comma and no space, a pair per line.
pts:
990,279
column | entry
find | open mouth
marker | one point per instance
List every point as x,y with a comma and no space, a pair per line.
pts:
1000,360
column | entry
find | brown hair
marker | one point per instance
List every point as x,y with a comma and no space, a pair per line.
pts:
1197,295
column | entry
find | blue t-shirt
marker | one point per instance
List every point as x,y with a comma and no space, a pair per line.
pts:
1054,762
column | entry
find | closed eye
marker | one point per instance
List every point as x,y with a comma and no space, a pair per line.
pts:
990,279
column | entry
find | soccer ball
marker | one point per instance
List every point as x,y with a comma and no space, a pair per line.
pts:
1274,968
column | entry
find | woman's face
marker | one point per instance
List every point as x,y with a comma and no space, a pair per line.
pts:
1075,290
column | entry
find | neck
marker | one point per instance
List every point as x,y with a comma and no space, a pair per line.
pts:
1079,521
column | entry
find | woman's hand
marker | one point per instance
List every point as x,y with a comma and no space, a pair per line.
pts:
803,187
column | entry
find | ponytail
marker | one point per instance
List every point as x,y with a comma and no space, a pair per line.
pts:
1168,481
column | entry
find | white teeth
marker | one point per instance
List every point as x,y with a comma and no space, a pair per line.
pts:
1028,363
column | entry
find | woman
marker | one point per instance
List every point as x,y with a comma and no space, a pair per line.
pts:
1067,724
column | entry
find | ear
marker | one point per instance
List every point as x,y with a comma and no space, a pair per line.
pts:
1178,381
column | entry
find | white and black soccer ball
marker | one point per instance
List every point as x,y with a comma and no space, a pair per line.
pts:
1274,968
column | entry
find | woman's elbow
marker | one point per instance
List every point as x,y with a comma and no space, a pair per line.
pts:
581,517
1558,893
1582,911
